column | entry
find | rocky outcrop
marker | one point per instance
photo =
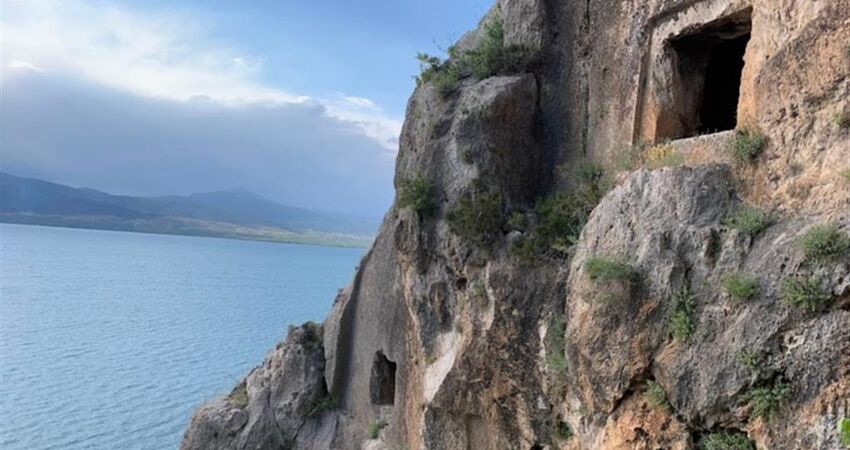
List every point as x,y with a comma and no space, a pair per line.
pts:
283,403
481,318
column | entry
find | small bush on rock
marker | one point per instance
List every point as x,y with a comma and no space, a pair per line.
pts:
239,396
491,57
844,431
375,427
804,293
725,440
747,220
753,361
741,287
478,216
555,344
823,243
606,269
766,402
442,74
655,394
416,193
841,120
663,155
563,431
561,216
681,319
324,403
748,145
845,174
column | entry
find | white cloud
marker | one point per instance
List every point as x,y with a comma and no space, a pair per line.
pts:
23,65
163,56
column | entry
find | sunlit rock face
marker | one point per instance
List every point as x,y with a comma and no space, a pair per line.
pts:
494,312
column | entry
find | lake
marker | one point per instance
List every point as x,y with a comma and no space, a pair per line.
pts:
109,340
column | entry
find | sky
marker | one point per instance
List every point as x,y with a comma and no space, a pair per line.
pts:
299,101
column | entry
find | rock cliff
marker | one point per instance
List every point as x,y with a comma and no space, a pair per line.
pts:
619,225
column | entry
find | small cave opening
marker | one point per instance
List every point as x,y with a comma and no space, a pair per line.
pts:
382,380
709,66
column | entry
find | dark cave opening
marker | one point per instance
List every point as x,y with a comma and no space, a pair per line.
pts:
382,380
722,85
710,66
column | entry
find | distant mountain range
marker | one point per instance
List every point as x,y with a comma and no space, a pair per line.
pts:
236,214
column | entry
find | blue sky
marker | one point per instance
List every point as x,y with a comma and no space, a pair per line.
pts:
301,101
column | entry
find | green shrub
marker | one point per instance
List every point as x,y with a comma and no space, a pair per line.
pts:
555,344
321,404
725,440
662,155
490,58
563,431
561,216
844,431
416,193
753,361
559,220
804,293
517,221
741,287
841,120
375,427
607,269
239,396
655,394
747,220
748,145
681,319
766,402
478,216
443,75
823,243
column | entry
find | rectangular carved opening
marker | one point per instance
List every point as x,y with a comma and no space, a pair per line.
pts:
709,64
382,380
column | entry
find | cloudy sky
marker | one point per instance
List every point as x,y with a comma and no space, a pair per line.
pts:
300,101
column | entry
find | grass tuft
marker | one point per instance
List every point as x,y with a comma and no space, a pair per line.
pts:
324,403
663,155
417,194
748,145
740,287
375,427
681,319
655,394
804,293
841,120
555,344
747,220
767,402
606,269
844,431
725,440
239,396
824,243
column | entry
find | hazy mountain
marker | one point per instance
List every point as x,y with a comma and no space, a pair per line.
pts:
239,213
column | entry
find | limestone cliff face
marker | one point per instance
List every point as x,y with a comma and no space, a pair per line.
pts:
482,319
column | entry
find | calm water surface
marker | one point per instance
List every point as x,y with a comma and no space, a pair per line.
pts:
109,340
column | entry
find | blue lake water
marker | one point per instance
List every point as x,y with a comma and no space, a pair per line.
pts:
109,340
